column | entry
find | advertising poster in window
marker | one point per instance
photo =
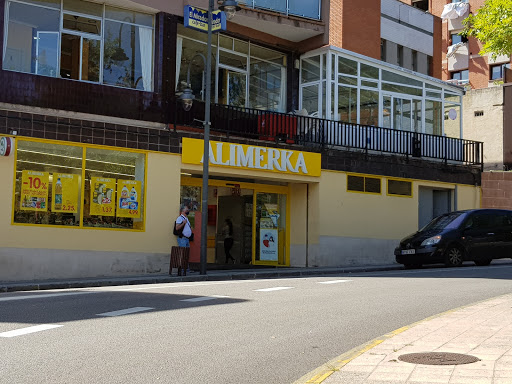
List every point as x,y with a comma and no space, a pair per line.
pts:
103,196
34,191
128,198
268,244
65,193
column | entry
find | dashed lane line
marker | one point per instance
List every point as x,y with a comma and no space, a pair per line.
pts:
334,281
127,311
27,330
272,289
43,296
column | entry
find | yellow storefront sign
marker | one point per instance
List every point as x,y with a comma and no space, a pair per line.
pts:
128,195
65,193
253,157
103,196
34,191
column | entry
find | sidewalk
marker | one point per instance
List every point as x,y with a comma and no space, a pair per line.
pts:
234,274
483,330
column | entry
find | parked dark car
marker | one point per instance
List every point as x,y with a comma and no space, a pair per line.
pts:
478,235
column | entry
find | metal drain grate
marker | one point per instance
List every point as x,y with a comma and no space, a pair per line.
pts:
438,358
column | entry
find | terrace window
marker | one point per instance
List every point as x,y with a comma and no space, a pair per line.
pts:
80,40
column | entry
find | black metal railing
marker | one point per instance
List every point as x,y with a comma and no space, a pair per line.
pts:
314,131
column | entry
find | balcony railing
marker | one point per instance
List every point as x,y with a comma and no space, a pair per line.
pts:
310,9
315,132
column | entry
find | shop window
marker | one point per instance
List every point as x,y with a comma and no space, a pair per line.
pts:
114,184
49,186
48,179
36,43
363,184
399,188
191,198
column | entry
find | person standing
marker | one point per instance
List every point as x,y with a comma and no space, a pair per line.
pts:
228,240
182,225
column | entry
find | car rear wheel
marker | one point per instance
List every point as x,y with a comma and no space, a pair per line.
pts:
483,262
453,256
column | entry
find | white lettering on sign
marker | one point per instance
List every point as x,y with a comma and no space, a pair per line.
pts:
257,157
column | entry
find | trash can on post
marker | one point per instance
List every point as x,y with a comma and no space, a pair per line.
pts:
179,260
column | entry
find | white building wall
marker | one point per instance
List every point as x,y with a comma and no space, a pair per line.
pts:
400,23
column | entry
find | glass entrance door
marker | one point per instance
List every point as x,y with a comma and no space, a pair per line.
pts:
270,228
247,222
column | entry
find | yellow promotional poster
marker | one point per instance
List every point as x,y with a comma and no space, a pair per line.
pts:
243,156
103,196
65,193
34,191
128,198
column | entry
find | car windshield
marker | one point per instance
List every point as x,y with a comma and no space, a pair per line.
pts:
447,221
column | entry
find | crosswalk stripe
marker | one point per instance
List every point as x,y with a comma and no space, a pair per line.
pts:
27,330
204,298
125,311
272,289
42,296
334,281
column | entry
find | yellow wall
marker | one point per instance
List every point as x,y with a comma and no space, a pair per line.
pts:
162,205
468,197
363,215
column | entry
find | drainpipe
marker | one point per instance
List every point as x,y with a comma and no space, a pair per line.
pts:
307,225
455,198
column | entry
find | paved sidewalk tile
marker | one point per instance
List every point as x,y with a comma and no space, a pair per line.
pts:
483,330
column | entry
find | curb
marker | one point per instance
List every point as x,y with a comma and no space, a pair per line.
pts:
320,374
235,275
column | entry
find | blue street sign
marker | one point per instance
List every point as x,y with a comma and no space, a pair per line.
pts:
197,18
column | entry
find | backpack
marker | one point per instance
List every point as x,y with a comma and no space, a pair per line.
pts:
176,232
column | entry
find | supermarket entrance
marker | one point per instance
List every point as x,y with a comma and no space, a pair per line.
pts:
247,222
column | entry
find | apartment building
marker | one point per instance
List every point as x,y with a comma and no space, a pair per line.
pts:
316,143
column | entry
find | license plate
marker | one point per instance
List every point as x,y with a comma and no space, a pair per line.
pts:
409,252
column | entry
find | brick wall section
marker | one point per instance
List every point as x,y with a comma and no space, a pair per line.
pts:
497,190
440,43
478,67
437,68
355,25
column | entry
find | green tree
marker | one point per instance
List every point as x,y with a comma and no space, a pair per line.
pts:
492,25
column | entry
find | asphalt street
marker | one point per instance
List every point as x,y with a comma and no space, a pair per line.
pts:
246,331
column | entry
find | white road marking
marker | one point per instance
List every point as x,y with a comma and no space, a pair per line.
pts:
204,298
27,330
334,281
272,289
125,311
43,296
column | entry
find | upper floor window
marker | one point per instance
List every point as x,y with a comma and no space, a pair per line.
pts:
80,40
462,76
498,71
456,38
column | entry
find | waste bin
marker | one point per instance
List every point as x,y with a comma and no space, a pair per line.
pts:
179,260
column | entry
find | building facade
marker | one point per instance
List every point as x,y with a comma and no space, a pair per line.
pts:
321,154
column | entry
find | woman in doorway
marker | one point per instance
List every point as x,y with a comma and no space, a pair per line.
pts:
228,240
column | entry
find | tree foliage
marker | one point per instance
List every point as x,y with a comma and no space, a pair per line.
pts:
492,25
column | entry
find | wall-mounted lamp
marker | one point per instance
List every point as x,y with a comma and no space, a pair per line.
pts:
230,7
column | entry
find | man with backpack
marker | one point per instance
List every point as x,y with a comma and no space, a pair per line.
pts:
182,228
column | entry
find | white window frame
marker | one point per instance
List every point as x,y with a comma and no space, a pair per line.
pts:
82,35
